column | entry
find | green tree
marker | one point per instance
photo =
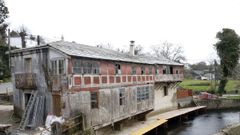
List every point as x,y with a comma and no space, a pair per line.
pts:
228,51
4,68
3,16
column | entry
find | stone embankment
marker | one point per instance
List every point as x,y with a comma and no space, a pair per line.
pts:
230,130
221,103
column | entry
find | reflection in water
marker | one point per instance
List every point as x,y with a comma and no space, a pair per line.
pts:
206,124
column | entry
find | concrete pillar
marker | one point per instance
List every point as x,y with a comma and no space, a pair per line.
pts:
118,126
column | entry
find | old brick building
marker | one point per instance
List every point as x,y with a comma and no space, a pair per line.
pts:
107,86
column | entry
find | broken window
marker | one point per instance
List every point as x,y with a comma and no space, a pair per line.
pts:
54,67
134,70
165,90
61,67
142,93
117,69
138,94
77,66
95,68
166,69
57,67
150,70
177,72
28,65
94,100
85,67
147,92
122,96
171,70
156,70
142,70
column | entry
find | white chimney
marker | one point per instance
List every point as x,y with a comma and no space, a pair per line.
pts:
131,51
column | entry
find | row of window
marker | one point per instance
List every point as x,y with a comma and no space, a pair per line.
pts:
57,67
142,94
91,67
85,67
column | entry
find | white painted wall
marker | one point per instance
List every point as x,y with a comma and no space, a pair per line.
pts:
163,103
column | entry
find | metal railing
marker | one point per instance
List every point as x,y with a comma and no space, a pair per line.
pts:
168,77
25,81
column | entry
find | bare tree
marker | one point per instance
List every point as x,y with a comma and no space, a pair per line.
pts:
138,50
106,46
169,51
23,34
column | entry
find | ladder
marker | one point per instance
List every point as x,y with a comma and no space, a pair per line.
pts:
27,111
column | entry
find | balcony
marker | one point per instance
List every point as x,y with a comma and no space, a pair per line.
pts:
169,78
25,81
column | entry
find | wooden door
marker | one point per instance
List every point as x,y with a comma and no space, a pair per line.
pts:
56,104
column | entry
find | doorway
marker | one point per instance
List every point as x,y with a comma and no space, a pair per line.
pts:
26,99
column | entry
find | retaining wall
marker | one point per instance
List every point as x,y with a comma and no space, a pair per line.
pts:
231,130
219,103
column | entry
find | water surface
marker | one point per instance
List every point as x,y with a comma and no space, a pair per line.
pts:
206,124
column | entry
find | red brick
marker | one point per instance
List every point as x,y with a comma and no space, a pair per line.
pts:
87,80
111,79
96,80
104,67
134,79
147,70
138,68
124,69
124,78
139,78
184,93
129,70
104,79
77,80
69,67
111,69
129,79
118,80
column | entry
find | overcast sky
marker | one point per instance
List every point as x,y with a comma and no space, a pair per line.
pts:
192,24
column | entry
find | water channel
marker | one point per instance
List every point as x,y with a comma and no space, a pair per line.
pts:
206,124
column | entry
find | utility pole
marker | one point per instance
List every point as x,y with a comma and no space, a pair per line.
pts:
9,50
215,74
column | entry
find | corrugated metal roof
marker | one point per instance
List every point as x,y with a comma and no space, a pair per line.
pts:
81,50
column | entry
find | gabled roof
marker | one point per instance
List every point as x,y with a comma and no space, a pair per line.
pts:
80,50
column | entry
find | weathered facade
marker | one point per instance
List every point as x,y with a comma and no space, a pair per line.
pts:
106,86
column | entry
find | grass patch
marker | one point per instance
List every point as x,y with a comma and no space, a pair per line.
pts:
207,85
234,97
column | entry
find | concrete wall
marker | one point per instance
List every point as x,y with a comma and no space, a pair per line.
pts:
161,102
110,110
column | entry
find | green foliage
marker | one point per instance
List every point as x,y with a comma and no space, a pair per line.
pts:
207,85
3,15
234,97
228,51
4,63
3,11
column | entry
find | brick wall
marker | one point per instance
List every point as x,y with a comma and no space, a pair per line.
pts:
184,93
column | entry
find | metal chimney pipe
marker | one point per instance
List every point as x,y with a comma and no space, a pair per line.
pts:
131,50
